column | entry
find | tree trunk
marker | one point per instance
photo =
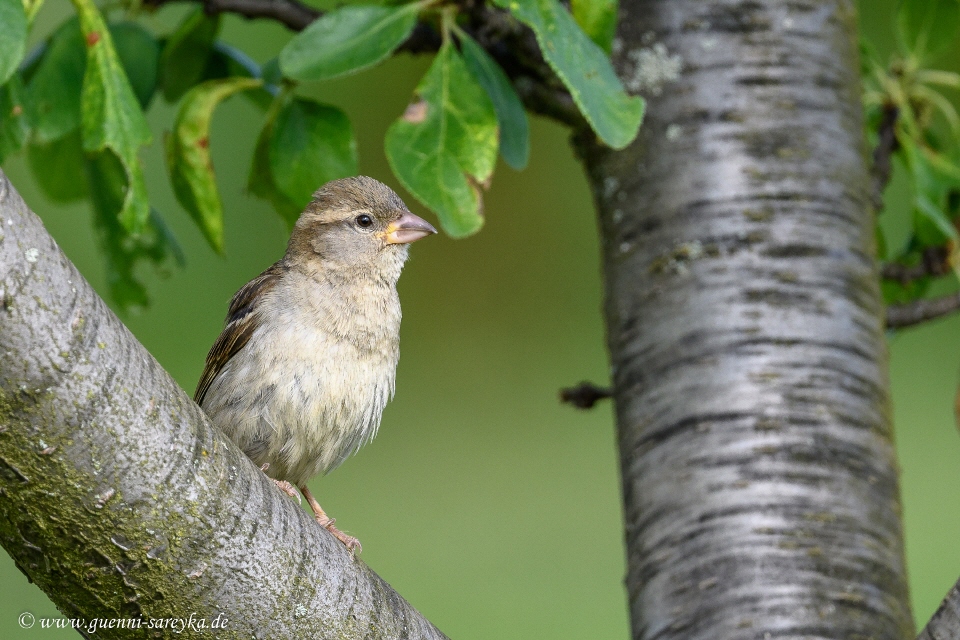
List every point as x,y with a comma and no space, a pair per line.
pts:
121,501
745,328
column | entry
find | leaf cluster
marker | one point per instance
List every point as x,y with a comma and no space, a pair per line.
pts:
911,118
77,104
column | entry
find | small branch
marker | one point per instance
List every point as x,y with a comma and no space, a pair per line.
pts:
510,43
290,13
584,395
887,145
550,102
906,315
945,623
935,262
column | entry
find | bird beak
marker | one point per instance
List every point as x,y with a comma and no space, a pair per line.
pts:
408,228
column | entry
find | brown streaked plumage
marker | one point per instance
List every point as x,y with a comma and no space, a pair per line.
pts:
306,361
240,325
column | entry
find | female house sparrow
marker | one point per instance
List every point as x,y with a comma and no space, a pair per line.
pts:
306,362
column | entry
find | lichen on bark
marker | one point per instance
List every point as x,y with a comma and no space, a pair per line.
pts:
120,500
745,328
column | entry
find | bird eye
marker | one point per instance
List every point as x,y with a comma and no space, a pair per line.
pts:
364,220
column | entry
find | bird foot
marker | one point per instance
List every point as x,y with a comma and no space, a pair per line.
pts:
286,487
351,543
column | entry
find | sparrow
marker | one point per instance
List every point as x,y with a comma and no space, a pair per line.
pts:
307,359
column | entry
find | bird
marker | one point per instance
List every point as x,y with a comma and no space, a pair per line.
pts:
307,358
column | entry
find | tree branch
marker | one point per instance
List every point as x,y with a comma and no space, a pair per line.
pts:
290,13
120,500
510,43
945,623
585,395
935,262
887,145
911,313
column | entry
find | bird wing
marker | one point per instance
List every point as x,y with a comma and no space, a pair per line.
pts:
240,324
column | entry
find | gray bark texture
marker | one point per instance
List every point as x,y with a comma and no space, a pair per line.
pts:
745,327
945,623
120,500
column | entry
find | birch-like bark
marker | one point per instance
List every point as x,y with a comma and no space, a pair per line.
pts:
746,329
945,622
120,500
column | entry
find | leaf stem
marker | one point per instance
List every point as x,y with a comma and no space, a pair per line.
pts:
447,22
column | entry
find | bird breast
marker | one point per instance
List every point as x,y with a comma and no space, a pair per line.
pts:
309,387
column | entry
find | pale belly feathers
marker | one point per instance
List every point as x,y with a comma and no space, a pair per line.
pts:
307,415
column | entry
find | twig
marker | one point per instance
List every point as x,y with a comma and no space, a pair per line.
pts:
911,313
584,395
935,262
510,43
887,145
290,13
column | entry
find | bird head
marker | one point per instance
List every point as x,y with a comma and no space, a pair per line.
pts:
356,226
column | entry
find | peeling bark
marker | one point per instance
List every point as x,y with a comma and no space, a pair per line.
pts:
120,500
745,327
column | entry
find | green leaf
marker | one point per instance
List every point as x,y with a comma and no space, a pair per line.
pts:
188,155
139,53
13,119
58,167
598,19
13,37
53,92
31,7
312,144
347,40
271,71
584,68
928,27
111,115
108,181
511,117
260,182
54,88
898,293
186,53
931,224
229,62
445,145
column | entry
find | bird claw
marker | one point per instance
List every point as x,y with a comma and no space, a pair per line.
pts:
351,543
288,489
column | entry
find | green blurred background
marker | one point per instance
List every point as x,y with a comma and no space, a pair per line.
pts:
487,504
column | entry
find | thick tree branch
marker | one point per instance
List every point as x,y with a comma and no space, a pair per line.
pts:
510,43
120,500
935,262
911,313
743,319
